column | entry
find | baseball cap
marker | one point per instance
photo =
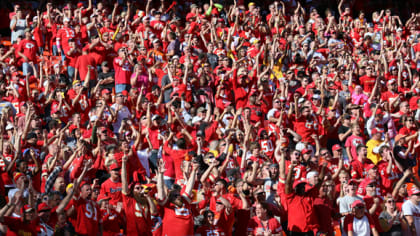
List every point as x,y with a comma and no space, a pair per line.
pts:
105,91
27,208
357,203
196,119
296,183
31,135
155,117
305,151
114,166
336,147
376,131
102,197
43,207
75,82
16,176
379,111
413,191
391,81
371,166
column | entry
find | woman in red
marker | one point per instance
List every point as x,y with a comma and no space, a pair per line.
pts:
208,227
262,224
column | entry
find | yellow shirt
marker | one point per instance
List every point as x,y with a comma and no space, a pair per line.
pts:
371,144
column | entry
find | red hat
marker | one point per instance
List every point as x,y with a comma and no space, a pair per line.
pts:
305,151
357,203
105,91
16,176
27,208
43,207
114,166
102,197
336,147
79,5
296,183
413,191
391,81
378,111
84,183
124,92
376,131
371,166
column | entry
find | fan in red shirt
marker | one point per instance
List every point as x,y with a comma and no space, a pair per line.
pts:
138,205
86,214
112,186
63,36
123,68
262,224
176,208
28,50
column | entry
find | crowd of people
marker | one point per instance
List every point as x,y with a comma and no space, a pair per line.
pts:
209,118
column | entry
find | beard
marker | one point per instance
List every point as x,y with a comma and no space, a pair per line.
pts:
140,198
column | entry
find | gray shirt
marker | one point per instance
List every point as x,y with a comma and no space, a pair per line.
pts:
19,29
166,93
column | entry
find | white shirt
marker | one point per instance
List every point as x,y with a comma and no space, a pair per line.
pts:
361,227
410,209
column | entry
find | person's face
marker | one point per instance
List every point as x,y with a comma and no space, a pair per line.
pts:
356,130
115,174
210,218
373,173
296,156
86,192
306,112
175,198
363,152
359,211
260,211
218,187
76,119
371,190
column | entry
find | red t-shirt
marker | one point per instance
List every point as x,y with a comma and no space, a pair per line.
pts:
138,218
113,190
302,218
122,71
82,63
29,48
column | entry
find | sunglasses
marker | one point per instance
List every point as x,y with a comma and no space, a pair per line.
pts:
390,201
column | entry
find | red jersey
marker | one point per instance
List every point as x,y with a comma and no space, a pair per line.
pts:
82,63
306,127
178,220
86,218
209,230
63,36
138,217
111,222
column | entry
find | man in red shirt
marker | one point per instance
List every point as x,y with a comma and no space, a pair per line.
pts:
302,219
368,80
138,205
63,36
177,213
28,50
112,186
123,67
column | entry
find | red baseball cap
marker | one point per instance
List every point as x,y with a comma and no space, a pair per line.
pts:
102,197
43,207
413,191
357,203
336,147
114,166
296,183
105,91
371,166
16,176
305,151
376,130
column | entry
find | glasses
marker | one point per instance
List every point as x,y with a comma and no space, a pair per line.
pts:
137,187
360,207
223,144
277,102
324,154
120,96
410,120
368,68
390,201
77,85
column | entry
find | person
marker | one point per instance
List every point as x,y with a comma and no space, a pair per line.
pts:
207,226
262,224
359,223
411,210
391,219
138,205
